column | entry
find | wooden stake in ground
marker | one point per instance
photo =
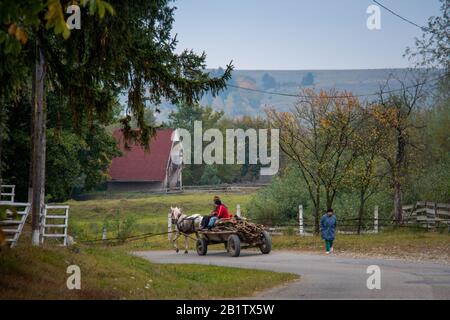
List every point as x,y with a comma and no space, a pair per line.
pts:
39,142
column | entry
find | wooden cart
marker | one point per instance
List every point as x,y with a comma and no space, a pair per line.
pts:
234,241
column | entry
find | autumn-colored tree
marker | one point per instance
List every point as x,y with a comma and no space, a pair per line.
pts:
394,116
368,171
317,135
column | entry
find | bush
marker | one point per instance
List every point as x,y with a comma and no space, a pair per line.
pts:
278,203
209,176
122,227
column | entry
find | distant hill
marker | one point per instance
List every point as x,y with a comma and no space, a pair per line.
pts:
236,102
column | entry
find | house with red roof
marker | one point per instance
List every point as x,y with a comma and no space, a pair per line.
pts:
156,169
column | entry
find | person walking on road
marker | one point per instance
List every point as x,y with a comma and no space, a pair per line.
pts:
328,229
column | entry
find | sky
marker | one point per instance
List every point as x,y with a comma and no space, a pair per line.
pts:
299,34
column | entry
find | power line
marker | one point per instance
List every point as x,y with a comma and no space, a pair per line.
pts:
399,16
335,96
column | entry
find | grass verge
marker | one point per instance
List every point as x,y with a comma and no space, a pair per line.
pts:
28,272
416,245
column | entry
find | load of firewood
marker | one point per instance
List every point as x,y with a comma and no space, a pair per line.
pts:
247,230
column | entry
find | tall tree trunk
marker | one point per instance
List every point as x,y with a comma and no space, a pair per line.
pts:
30,170
2,135
398,211
362,202
399,162
39,142
329,199
317,212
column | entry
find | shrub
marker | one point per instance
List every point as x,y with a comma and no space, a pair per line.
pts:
278,203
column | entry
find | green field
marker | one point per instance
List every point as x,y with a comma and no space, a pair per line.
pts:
149,213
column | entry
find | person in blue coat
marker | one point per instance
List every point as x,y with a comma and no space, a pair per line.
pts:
328,229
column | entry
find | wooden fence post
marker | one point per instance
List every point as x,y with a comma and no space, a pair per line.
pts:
169,226
300,220
104,234
238,210
375,220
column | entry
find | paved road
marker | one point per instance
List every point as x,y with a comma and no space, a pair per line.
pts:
329,277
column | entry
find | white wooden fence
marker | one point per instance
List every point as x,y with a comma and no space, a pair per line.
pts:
427,214
54,223
301,223
16,217
7,192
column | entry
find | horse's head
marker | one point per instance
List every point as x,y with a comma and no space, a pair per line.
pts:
175,214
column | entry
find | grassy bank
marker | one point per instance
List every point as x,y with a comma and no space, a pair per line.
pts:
107,273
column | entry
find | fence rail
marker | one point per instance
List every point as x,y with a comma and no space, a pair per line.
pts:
427,214
7,192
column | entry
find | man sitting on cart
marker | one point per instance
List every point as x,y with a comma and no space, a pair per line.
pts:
221,212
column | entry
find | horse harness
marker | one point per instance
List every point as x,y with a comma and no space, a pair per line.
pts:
191,225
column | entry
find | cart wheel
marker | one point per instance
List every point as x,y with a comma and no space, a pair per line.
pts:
202,247
266,245
234,245
225,244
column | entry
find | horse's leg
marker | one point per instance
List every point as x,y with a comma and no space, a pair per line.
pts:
186,244
174,242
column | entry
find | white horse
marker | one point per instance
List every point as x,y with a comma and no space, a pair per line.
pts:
185,225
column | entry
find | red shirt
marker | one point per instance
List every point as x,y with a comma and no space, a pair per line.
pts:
222,212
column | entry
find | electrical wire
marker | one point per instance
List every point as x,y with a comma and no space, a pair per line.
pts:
399,16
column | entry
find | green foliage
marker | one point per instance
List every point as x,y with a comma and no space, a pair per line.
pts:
7,211
209,176
279,202
95,158
186,114
121,225
75,161
433,48
433,184
132,52
63,167
431,178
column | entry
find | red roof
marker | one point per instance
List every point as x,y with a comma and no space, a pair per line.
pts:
136,164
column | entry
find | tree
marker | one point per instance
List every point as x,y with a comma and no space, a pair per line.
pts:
186,114
394,115
433,49
367,172
132,51
209,176
76,161
316,135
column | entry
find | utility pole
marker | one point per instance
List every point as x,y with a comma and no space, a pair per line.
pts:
39,117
